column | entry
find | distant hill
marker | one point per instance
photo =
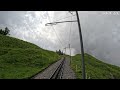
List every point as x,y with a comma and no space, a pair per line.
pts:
95,69
20,59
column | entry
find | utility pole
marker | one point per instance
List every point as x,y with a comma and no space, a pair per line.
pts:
70,53
65,52
64,49
81,41
81,45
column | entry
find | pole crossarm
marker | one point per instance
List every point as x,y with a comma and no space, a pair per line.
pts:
54,23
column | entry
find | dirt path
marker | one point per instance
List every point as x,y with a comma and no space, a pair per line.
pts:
68,72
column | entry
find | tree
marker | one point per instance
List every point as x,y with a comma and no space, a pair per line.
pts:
59,52
5,32
1,31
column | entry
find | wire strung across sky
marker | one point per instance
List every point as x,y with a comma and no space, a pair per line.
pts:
69,41
64,18
55,31
70,32
69,35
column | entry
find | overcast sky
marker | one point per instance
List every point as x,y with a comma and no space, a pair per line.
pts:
100,29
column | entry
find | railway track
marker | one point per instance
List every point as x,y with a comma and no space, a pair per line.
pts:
59,71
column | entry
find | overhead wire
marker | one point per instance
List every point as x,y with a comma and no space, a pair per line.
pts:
69,41
70,32
55,32
69,38
64,18
66,21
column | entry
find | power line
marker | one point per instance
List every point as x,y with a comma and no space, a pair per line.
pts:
55,32
57,36
70,31
54,23
81,45
64,18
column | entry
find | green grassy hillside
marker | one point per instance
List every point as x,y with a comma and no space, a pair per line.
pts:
95,69
20,59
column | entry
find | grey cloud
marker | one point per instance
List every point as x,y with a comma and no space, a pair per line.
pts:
101,33
27,26
98,36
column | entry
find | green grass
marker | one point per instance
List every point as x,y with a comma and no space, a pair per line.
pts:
20,59
95,68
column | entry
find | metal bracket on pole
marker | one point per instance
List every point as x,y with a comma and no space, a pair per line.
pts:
54,23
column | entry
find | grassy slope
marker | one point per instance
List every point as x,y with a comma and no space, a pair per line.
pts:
95,69
20,59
